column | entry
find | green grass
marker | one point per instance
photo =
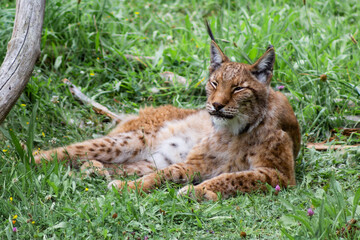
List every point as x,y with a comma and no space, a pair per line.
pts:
86,43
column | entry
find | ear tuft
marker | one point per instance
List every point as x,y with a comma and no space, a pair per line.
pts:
211,35
262,69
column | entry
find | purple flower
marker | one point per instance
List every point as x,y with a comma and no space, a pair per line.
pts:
277,188
14,229
310,212
146,238
280,87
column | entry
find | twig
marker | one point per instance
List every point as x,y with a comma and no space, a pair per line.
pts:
324,147
86,100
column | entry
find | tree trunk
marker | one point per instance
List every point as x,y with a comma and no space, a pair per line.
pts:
22,52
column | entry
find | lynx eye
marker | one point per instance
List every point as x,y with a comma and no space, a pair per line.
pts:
238,89
214,84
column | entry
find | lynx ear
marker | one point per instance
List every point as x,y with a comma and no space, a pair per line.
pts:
262,69
217,57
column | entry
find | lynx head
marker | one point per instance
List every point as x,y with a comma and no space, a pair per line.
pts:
237,93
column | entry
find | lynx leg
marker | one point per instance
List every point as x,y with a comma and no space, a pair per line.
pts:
228,184
179,173
110,149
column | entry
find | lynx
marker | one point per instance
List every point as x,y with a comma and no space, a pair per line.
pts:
247,136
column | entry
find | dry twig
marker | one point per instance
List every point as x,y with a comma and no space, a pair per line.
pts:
86,100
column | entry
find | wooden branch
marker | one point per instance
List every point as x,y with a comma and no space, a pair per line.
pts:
86,100
22,52
325,147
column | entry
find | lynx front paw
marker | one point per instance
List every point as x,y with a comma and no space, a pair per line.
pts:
94,167
198,193
121,185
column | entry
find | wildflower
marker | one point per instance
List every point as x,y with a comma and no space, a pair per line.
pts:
15,216
11,199
281,87
92,74
14,229
43,134
54,99
310,212
23,105
154,90
98,58
13,221
4,150
146,238
27,123
137,13
33,222
86,189
277,188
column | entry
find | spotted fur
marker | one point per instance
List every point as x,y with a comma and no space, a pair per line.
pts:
153,140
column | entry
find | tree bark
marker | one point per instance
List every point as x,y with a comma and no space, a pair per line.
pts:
22,52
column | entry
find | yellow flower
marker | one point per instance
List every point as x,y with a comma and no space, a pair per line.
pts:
92,74
86,189
137,13
33,222
43,134
4,150
27,122
14,221
98,58
23,105
11,199
126,19
15,216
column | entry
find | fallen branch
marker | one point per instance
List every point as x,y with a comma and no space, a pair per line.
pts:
325,147
86,100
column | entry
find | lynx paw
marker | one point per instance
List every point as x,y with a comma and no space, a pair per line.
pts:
121,185
94,167
198,193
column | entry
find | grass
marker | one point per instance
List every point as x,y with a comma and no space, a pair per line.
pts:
86,42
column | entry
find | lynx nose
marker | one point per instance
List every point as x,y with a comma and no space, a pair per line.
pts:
218,106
